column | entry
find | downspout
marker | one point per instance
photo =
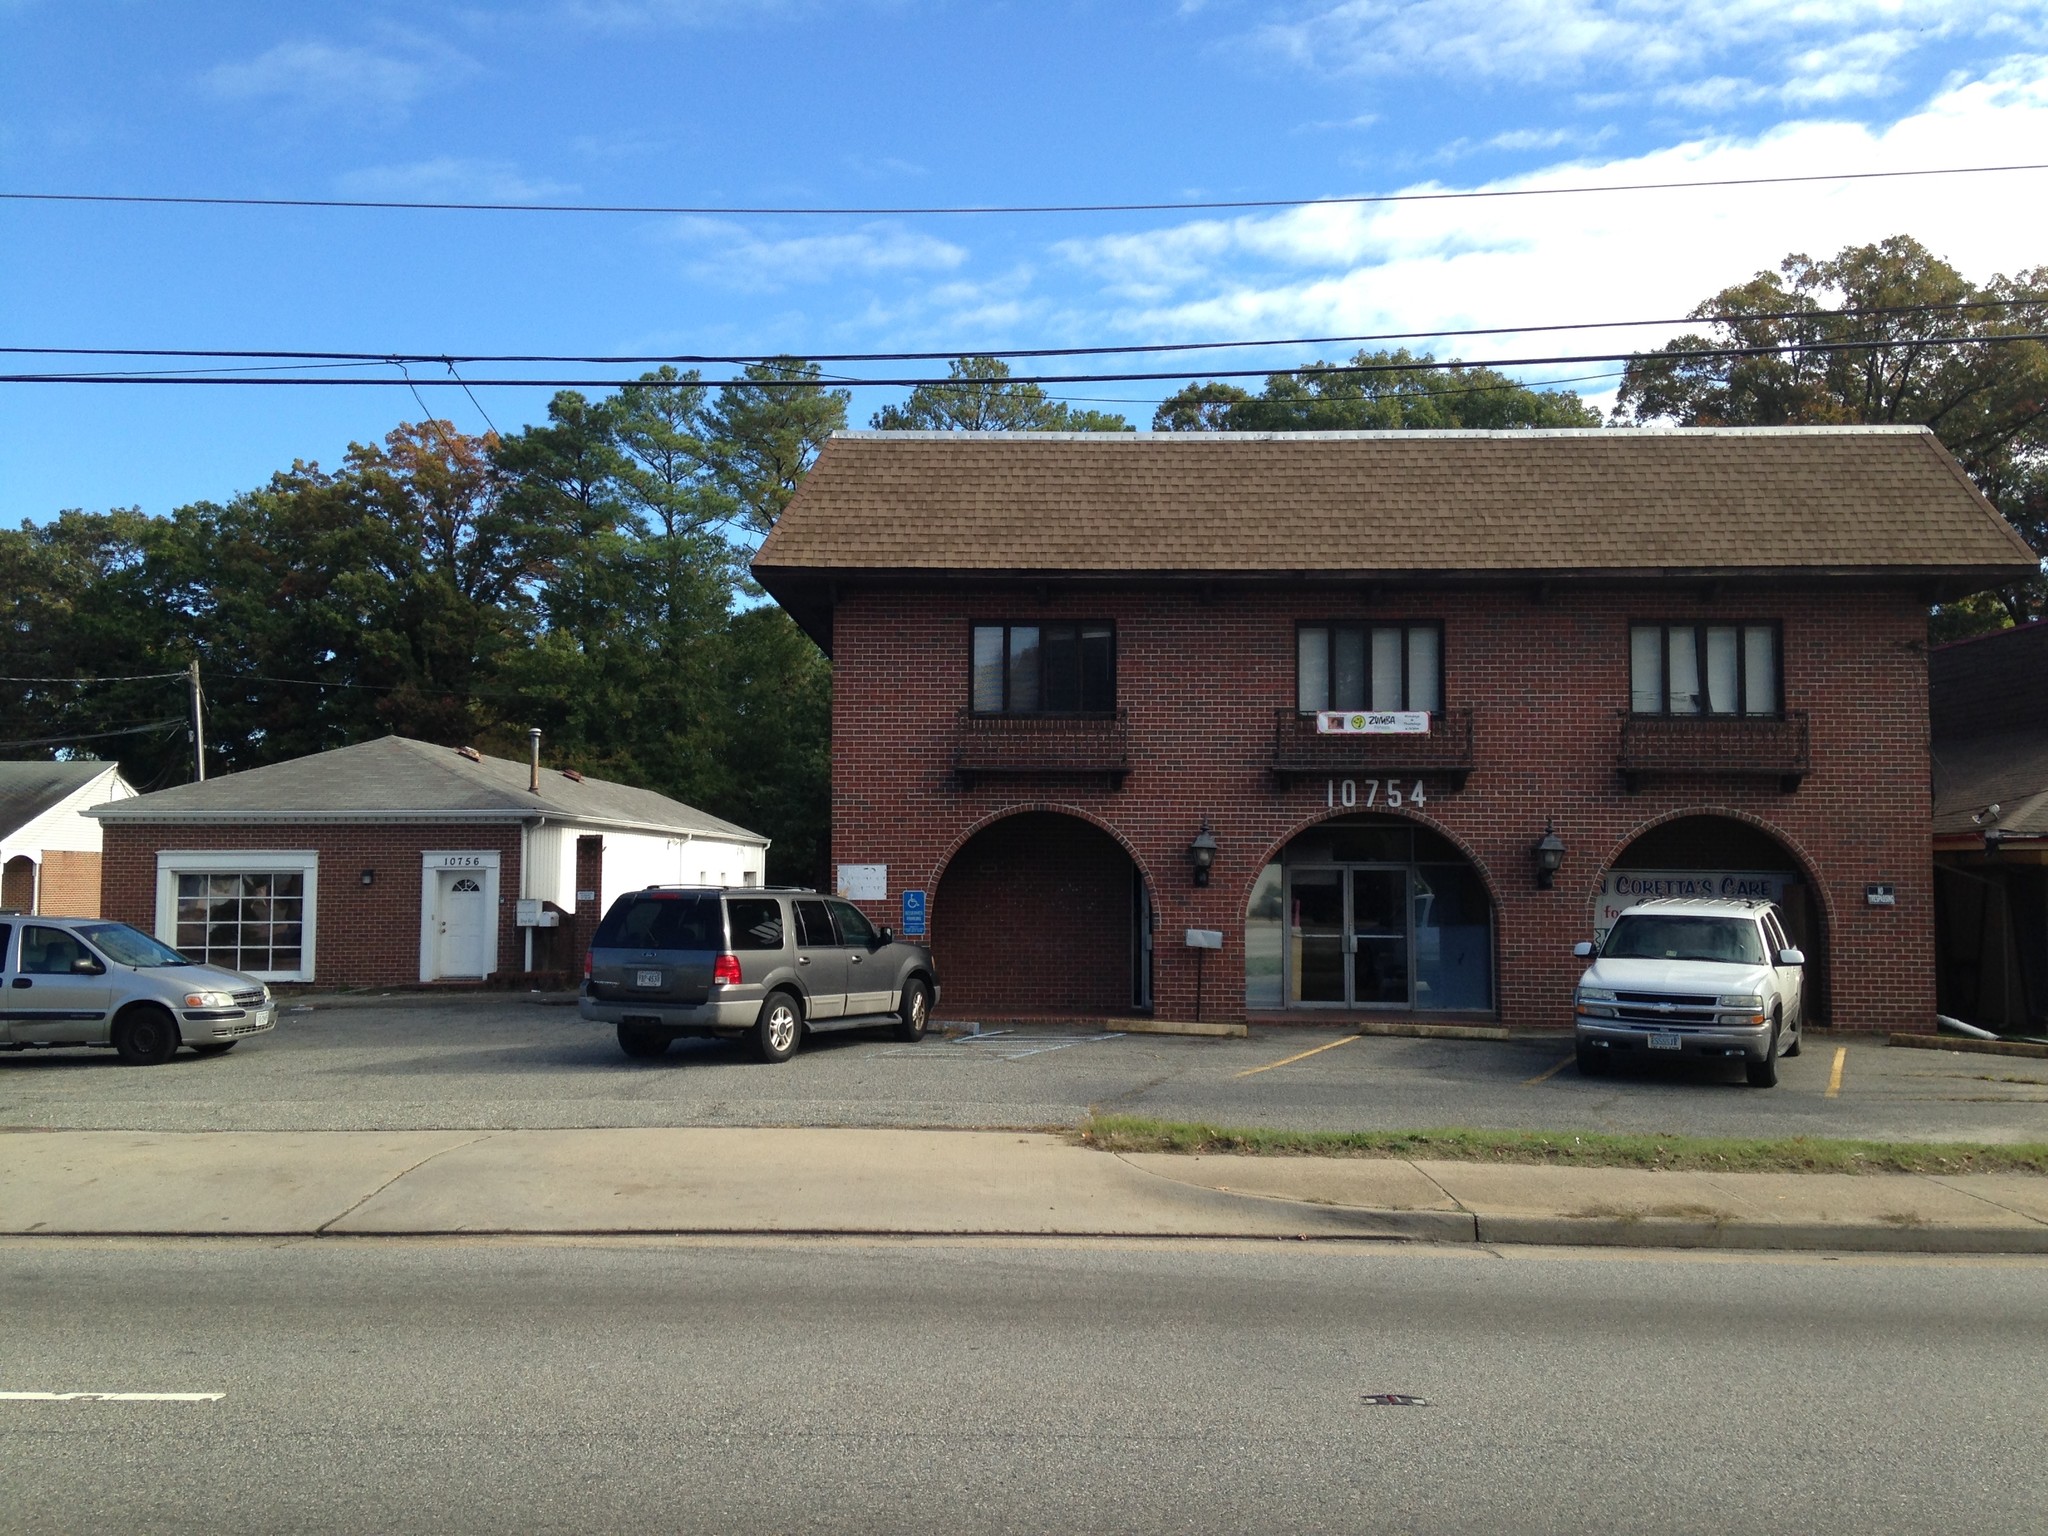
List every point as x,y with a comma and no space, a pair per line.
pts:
526,832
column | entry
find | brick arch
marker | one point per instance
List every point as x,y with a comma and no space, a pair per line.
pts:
1791,845
1274,848
1044,922
1057,808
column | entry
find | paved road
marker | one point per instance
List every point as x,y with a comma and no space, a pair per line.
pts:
446,1063
1010,1387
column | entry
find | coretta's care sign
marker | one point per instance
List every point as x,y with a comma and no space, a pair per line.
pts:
1370,722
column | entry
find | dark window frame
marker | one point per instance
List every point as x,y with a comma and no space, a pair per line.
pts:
1699,627
1041,625
1330,628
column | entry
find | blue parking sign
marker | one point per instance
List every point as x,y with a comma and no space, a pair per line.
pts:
913,914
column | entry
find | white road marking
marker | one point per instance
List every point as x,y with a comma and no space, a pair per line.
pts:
111,1397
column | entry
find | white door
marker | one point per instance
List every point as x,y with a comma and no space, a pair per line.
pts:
463,944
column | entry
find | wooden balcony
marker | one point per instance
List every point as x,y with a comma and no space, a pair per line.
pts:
1445,752
1016,746
1727,745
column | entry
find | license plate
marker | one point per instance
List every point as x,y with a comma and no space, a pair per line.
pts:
1663,1042
647,978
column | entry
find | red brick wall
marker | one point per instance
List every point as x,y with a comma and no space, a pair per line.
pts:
366,935
1202,677
1034,914
70,884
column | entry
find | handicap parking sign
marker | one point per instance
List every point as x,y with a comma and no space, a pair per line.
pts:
913,914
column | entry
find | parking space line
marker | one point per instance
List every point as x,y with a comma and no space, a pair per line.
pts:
1835,1074
1298,1056
111,1397
1549,1072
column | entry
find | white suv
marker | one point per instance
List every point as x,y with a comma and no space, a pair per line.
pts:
1696,978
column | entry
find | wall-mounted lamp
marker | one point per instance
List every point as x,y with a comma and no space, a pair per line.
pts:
1202,852
1548,854
369,877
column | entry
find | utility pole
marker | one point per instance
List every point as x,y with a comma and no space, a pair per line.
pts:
198,726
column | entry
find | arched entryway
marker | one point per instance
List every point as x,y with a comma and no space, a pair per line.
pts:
1042,913
18,884
1370,913
1723,856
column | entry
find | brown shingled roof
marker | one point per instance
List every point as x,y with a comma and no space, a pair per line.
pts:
1870,501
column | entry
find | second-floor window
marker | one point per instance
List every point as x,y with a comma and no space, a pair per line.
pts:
1703,669
1044,669
1369,666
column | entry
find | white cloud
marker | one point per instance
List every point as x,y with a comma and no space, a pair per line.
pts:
1810,50
732,253
450,179
319,75
1436,266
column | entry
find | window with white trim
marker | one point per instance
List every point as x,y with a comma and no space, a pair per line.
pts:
253,922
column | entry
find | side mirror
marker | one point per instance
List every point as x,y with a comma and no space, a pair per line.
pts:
886,935
1584,950
1791,957
85,965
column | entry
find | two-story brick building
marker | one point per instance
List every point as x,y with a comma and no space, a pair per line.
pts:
1336,703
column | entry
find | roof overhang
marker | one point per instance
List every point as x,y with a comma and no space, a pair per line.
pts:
117,814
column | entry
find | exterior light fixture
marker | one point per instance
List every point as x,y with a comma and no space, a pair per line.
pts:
1202,852
1548,854
369,877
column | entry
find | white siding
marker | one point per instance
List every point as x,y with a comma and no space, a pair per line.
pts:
63,826
547,871
634,859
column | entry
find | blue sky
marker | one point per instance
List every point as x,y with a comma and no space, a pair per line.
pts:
845,102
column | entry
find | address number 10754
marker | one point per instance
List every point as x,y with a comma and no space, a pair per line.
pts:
1387,792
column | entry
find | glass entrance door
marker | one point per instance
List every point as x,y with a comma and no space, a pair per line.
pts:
1318,936
1379,938
1348,937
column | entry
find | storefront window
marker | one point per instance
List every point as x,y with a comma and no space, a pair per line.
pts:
247,922
1453,938
1263,932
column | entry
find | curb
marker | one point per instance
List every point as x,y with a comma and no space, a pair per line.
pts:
1967,1044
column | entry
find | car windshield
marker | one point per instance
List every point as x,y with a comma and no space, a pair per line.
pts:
1655,936
131,946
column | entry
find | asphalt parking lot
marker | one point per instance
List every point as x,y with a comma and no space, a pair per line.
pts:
411,1063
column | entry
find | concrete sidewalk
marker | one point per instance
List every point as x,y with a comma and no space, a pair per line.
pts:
101,1183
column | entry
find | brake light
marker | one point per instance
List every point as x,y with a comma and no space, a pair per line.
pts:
586,965
725,971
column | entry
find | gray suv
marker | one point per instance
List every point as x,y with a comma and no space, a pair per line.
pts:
763,963
80,981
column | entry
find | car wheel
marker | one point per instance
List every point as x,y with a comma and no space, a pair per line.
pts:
639,1040
916,1012
145,1037
778,1028
1764,1074
214,1048
1593,1061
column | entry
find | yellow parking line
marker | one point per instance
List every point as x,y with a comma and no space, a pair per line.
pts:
1546,1076
1835,1077
1312,1050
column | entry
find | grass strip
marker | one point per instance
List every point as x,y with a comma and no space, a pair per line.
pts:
1577,1149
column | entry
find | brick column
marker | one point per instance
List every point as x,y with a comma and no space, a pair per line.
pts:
589,877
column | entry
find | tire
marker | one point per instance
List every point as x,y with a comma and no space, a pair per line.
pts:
1764,1074
1798,1037
916,1012
779,1028
145,1037
1593,1061
637,1040
215,1048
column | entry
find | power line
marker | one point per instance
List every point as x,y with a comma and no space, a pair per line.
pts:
65,741
1187,206
449,359
138,677
1318,370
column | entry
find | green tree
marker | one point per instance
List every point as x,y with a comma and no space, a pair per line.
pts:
978,395
1398,390
762,434
1847,340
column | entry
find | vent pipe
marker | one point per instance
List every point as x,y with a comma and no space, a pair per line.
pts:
533,760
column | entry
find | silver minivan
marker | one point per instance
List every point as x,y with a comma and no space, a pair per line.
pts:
81,981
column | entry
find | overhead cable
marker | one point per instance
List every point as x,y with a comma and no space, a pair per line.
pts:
450,359
1192,205
1316,370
